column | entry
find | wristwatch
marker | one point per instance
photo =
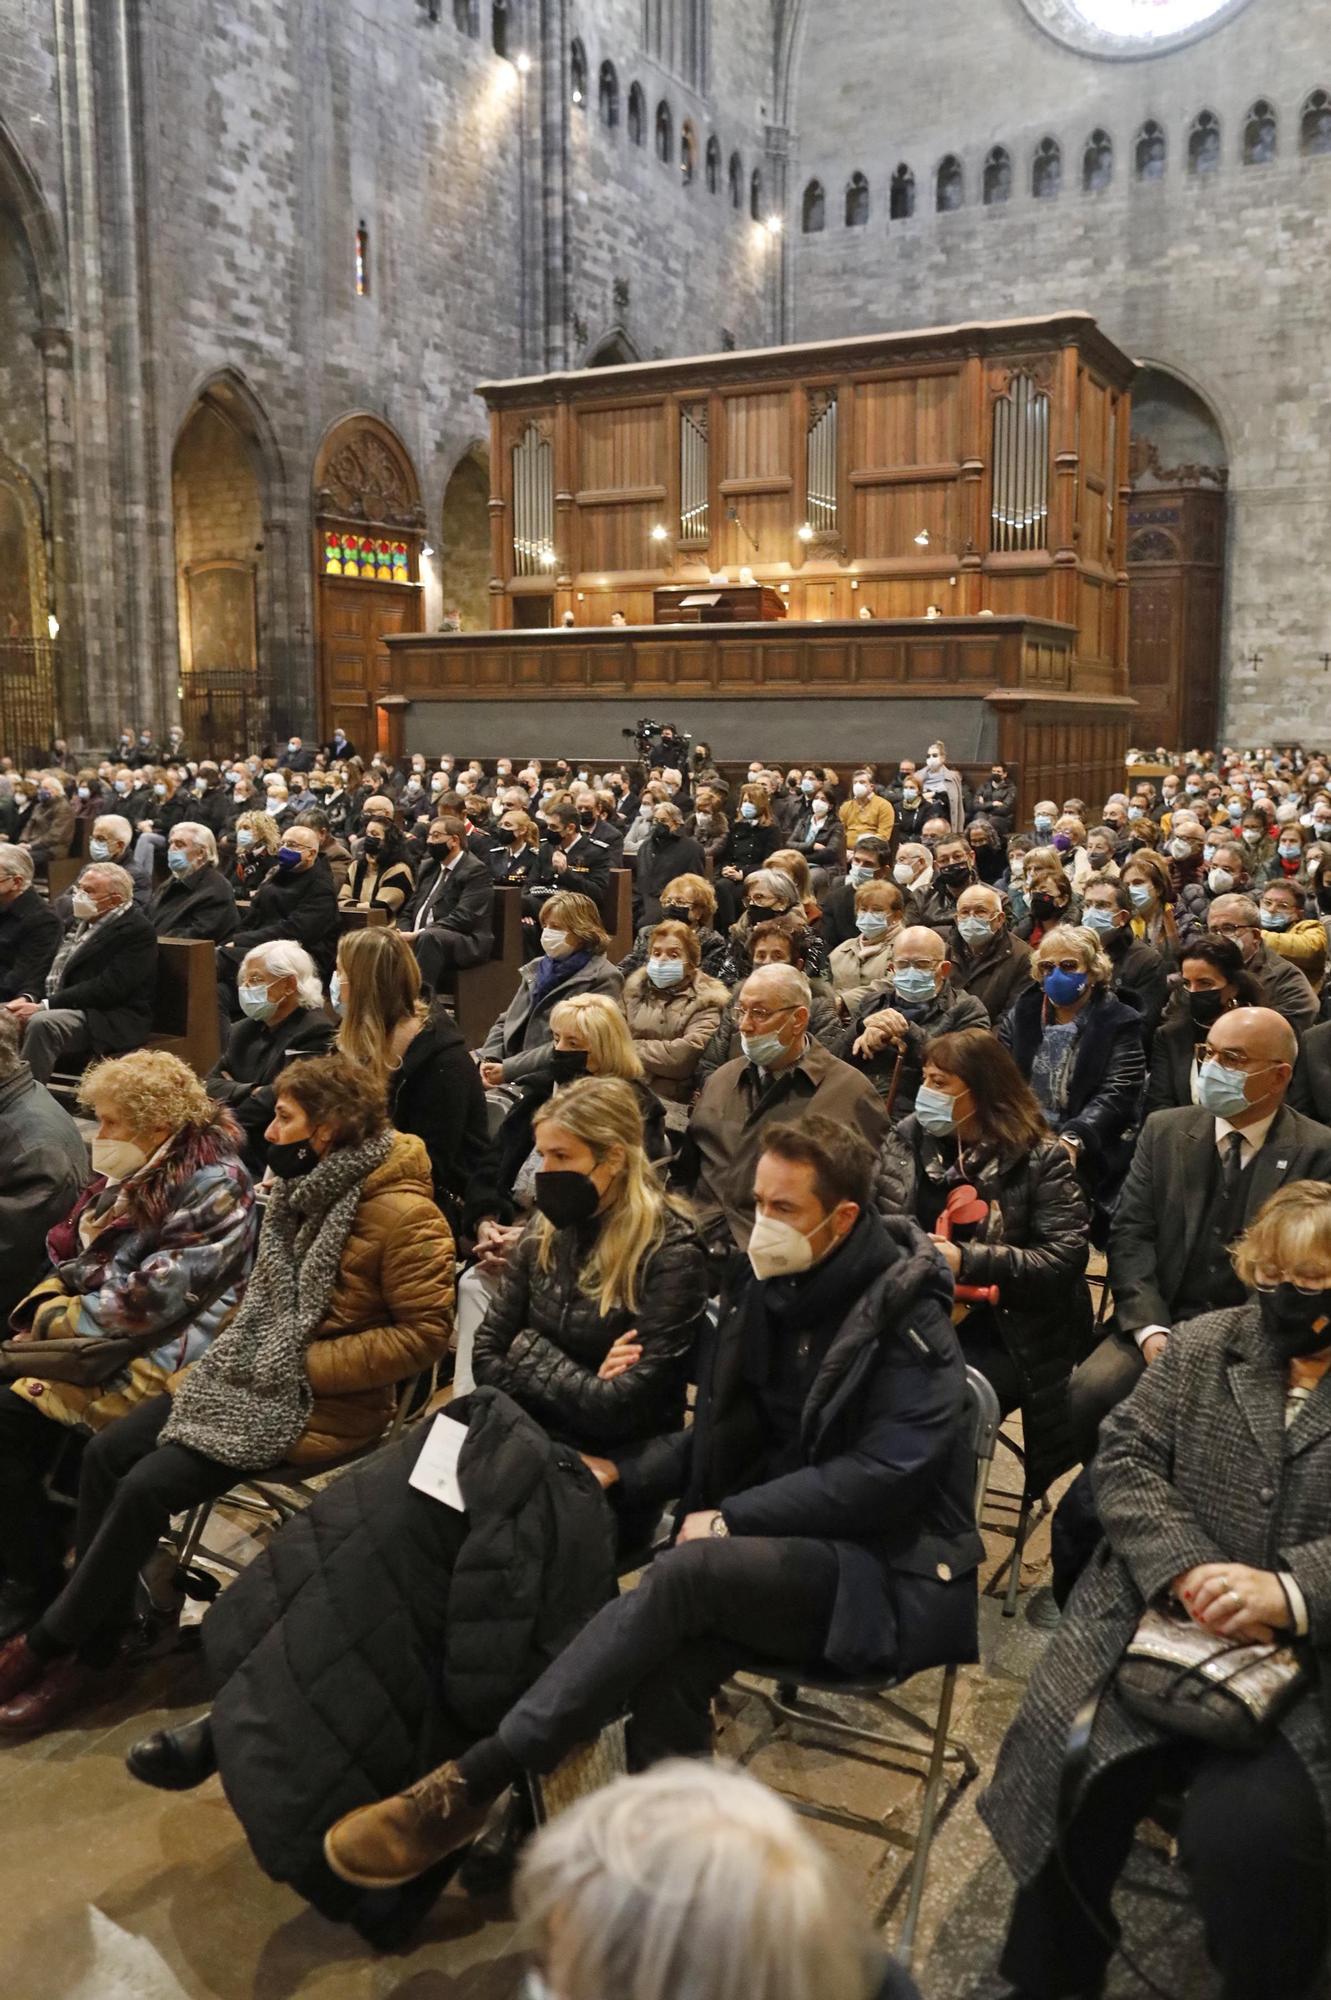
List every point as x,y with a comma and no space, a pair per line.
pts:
717,1526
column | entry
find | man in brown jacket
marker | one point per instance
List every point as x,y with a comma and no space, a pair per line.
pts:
781,1075
866,811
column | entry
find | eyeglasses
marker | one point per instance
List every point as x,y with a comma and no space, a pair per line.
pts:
1229,930
1262,1282
1231,1060
1044,965
760,1017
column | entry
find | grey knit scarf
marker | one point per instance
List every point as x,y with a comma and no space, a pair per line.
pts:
247,1399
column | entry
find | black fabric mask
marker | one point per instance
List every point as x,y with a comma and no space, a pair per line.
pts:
289,1161
373,844
1206,1007
957,874
566,1199
586,819
506,835
1044,907
566,1064
1296,1322
666,832
675,913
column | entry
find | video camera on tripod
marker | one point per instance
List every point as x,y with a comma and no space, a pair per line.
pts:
660,743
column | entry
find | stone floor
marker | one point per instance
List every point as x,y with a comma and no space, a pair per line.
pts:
109,1891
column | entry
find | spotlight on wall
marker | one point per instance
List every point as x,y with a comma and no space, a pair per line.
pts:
774,225
805,531
577,97
523,63
922,539
426,550
53,624
660,534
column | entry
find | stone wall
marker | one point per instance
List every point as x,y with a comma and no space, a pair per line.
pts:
1222,279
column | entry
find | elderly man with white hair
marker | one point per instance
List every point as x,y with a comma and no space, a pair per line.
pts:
196,900
29,929
889,1029
100,989
112,839
282,1018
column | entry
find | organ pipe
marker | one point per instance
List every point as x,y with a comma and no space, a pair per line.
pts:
533,504
821,468
693,470
1019,508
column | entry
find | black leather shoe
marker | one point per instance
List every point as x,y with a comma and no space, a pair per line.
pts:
174,1760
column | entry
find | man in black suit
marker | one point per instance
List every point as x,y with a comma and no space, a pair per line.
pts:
1197,1178
29,929
196,900
870,861
296,757
666,853
576,862
297,901
1310,1091
1139,972
339,747
450,921
603,829
100,989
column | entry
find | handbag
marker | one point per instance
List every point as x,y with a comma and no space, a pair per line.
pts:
83,1360
1228,1693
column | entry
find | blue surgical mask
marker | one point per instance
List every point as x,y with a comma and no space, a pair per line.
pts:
1097,919
1062,988
936,1111
748,810
1134,812
178,862
1275,920
1290,850
98,850
762,1049
914,984
807,787
245,837
1222,1092
1140,892
857,875
871,924
255,1004
975,930
1043,823
665,971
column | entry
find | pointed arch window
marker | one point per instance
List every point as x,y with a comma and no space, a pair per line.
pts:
949,188
1315,123
901,195
756,195
1097,163
362,262
607,96
1204,144
500,23
814,213
1259,134
637,114
736,181
1151,152
857,202
1047,170
713,167
688,154
997,177
665,134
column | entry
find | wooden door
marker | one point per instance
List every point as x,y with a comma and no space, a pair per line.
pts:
354,617
1176,594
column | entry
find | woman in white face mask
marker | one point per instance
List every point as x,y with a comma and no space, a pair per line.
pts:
673,1009
147,1259
573,960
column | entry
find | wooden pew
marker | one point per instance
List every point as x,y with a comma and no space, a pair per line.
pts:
185,1004
480,993
61,875
360,920
619,914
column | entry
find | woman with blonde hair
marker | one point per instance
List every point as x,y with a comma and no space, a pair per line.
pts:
594,1321
1080,1048
673,1009
144,1270
692,1881
1213,1486
573,960
591,1038
257,840
418,1057
685,899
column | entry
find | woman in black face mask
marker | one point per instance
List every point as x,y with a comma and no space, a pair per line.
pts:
593,1324
381,876
1213,980
1214,1487
591,1038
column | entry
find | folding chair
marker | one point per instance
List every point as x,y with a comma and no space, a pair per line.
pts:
937,1747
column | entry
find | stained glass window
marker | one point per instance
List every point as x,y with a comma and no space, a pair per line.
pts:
362,262
371,558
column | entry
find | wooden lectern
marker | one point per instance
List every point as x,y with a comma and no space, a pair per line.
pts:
718,604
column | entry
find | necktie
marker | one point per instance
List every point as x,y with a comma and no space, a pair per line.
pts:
1231,1166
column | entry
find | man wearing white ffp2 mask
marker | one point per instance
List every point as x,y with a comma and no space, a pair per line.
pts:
99,991
826,1512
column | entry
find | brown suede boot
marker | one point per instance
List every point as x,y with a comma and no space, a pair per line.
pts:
382,1846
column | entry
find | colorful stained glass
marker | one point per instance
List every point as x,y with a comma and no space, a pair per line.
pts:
368,557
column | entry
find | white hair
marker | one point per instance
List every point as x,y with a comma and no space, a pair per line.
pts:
117,825
107,871
283,960
789,982
691,1882
773,882
198,835
16,861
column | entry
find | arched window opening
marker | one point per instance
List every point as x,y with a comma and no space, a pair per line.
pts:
665,134
688,155
500,23
1097,163
1047,170
577,73
637,114
815,208
607,95
1315,123
1259,135
756,195
949,187
713,168
1204,144
857,202
901,195
736,181
997,177
1151,152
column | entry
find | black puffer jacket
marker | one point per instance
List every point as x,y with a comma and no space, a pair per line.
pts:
380,1632
1034,1246
544,1338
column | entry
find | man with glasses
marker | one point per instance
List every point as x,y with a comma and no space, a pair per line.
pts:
781,1074
1139,974
1284,987
919,1001
1197,1177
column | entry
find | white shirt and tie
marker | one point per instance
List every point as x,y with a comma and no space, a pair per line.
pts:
1251,1140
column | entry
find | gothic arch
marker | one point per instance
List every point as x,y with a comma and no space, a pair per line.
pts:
612,349
464,539
228,392
24,588
21,195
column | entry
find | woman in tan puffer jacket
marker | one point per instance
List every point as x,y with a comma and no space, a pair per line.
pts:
673,1009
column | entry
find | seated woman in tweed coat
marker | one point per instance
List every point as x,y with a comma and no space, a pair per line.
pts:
1213,1482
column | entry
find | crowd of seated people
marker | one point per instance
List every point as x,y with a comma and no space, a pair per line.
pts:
883,1064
